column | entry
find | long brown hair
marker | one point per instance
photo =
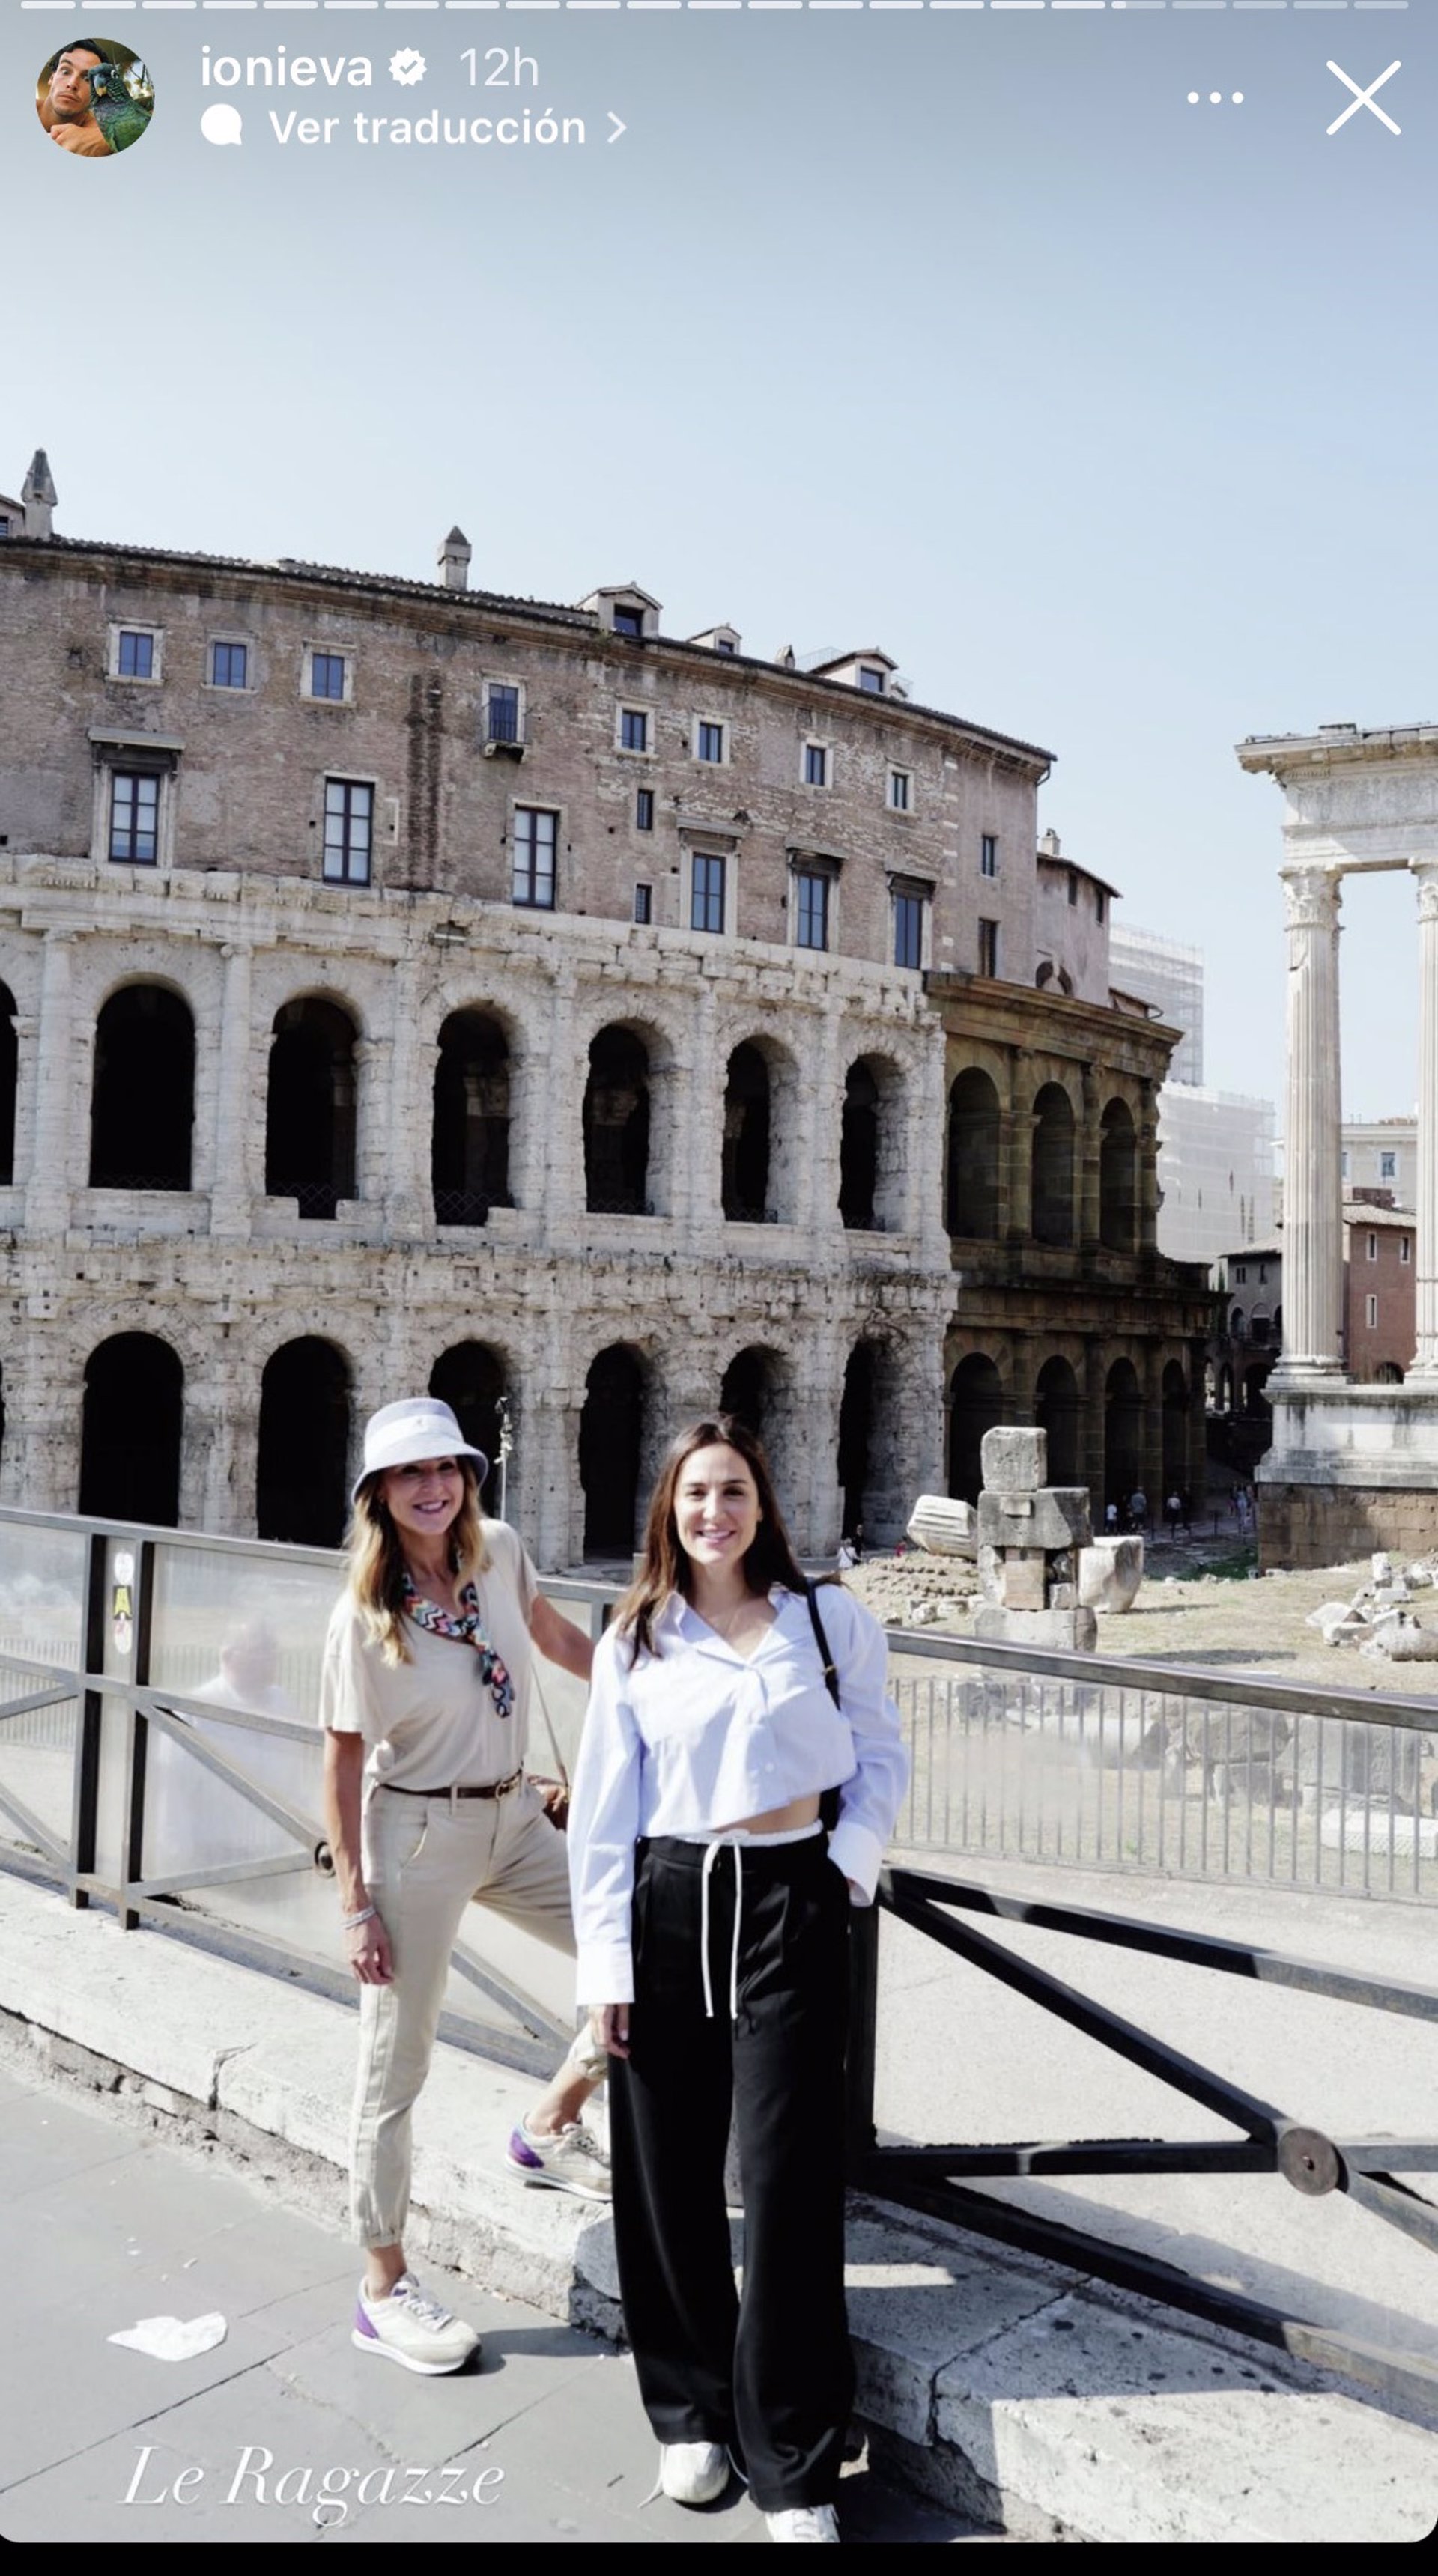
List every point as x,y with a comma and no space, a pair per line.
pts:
376,1559
665,1569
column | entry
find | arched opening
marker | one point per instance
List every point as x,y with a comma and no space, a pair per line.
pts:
611,1442
1056,1411
973,1164
747,1119
1122,1434
310,1107
859,1149
1118,1178
131,1426
1260,1327
469,1143
142,1104
1175,1430
976,1403
304,1444
856,1437
1053,1166
471,1379
1387,1373
747,1391
9,1078
616,1125
1238,1325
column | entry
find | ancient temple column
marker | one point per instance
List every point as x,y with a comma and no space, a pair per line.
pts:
1312,1186
1425,1361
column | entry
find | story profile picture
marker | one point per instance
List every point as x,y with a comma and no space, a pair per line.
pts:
94,97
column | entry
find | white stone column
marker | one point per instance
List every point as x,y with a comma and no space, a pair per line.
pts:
1425,1361
47,1197
239,1116
1312,1184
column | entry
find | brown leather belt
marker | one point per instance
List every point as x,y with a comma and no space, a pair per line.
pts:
461,1788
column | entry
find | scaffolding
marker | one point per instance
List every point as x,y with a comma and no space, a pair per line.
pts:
1170,979
1215,1171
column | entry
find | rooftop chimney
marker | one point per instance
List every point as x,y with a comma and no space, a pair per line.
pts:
1049,844
453,560
39,496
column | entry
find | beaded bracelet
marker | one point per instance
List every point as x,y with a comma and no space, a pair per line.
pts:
352,1922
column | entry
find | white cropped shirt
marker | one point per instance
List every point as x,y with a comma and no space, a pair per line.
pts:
690,1738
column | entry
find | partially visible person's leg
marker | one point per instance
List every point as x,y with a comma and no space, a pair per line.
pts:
669,2122
528,1882
419,1879
793,2371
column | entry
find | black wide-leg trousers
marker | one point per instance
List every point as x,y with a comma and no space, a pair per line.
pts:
769,2369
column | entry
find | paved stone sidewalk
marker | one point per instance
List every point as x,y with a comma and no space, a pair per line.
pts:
102,2226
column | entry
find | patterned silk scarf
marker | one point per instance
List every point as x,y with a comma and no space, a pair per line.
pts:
466,1629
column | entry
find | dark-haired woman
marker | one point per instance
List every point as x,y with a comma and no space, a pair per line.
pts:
711,1910
427,1806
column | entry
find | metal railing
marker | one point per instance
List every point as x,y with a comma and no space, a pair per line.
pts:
939,2178
1105,1764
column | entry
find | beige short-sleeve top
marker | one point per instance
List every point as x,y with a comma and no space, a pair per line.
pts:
432,1722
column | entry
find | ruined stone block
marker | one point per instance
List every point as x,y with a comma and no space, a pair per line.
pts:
1056,1516
991,1573
944,1527
1015,1459
1110,1571
1022,1580
1070,1632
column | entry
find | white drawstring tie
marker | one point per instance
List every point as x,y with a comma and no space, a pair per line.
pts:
735,1842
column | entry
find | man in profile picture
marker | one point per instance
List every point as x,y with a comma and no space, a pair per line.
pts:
67,106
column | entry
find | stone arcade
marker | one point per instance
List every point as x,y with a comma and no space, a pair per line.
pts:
406,985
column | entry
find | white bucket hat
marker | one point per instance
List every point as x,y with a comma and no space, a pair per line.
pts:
418,1427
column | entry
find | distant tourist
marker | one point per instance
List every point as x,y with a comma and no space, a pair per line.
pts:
1174,1508
1138,1509
1110,1519
848,1555
428,1807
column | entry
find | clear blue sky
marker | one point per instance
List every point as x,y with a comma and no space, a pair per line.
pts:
961,333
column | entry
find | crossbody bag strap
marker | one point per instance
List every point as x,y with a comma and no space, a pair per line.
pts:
831,1669
829,1800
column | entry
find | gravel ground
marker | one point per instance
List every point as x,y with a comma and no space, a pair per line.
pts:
1201,1603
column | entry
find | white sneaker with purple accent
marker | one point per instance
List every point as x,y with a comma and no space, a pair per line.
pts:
571,2160
412,2329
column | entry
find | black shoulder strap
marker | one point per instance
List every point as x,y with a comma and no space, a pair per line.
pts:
831,1670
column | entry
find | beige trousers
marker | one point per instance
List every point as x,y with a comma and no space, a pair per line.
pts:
426,1859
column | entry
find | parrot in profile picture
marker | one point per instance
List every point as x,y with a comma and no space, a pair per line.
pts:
120,119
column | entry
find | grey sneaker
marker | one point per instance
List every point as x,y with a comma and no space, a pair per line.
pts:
571,2160
413,2329
693,2472
804,2522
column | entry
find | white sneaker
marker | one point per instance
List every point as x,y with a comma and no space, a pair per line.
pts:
573,2159
412,2329
693,2472
804,2522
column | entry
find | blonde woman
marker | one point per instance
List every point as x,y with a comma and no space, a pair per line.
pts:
428,1807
